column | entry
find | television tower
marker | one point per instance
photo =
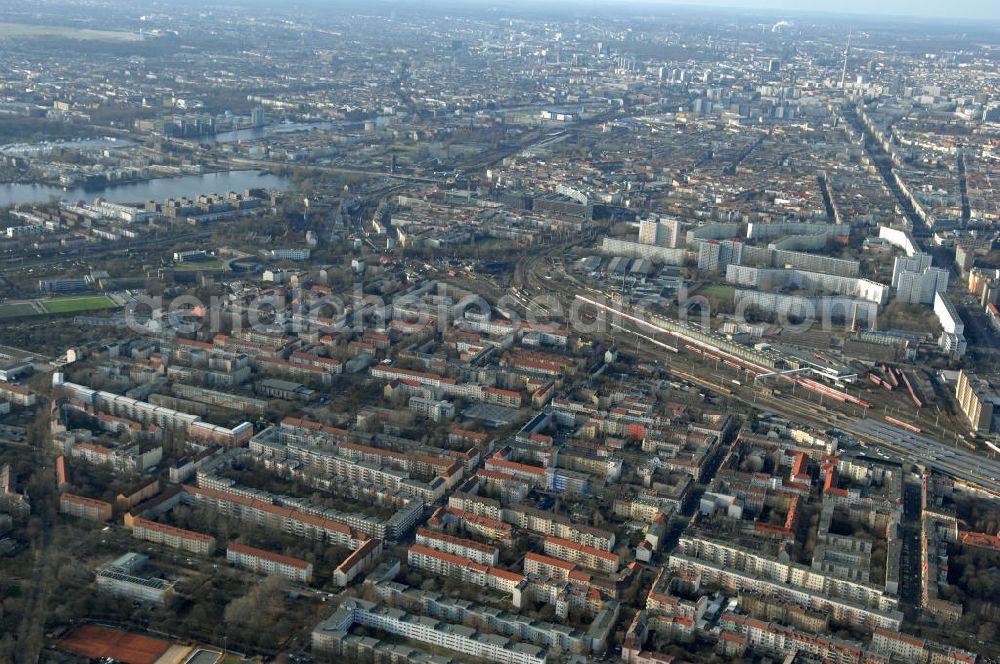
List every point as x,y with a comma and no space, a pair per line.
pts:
847,53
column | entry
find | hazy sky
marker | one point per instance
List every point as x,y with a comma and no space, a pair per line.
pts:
956,9
961,11
975,9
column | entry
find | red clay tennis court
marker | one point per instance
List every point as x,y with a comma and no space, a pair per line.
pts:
96,641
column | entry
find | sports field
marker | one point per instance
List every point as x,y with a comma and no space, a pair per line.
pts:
95,642
17,310
64,305
57,305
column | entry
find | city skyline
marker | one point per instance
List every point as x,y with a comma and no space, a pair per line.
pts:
519,333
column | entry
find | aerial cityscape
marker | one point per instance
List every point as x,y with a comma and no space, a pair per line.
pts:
528,333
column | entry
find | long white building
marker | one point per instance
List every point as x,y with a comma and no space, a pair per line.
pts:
830,308
458,638
774,278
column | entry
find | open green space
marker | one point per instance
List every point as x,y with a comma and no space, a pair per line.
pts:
720,291
404,148
58,305
64,305
28,31
16,310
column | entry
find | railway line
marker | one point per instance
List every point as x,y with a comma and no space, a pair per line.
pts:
910,439
972,468
902,439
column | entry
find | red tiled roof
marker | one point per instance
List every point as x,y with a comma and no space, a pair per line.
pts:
504,574
589,550
99,449
194,344
172,530
286,512
472,435
476,518
358,555
507,393
912,640
467,543
268,555
60,470
448,557
83,500
513,465
550,561
493,474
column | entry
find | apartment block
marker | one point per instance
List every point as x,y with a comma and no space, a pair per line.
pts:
331,633
768,637
736,556
547,566
662,232
17,395
147,413
715,256
469,571
977,400
273,516
333,456
840,609
268,562
911,649
916,281
524,628
557,525
176,538
134,588
474,523
585,556
432,409
360,560
667,255
466,548
84,508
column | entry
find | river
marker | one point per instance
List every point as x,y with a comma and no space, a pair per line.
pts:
158,189
257,133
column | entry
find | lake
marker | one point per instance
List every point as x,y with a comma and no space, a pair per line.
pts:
158,189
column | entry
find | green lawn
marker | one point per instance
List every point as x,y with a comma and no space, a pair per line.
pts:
404,148
720,291
18,310
65,305
27,31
